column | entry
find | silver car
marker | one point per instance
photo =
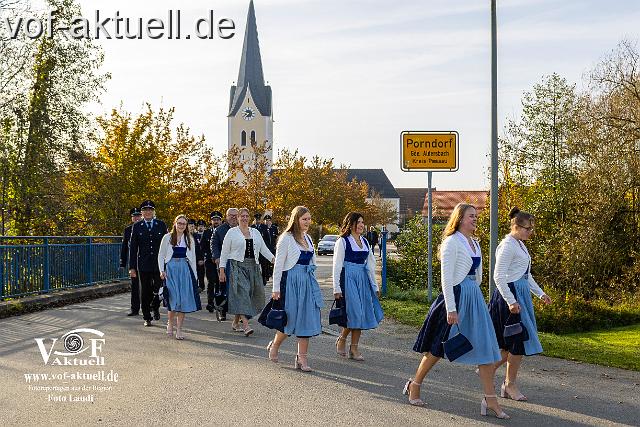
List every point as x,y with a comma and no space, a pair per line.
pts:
326,244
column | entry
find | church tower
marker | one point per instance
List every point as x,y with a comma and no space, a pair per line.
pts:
250,110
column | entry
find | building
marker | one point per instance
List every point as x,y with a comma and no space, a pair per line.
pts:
412,202
379,186
250,118
444,202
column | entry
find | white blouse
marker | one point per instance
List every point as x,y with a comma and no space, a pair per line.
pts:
288,252
512,261
338,261
166,251
455,263
234,246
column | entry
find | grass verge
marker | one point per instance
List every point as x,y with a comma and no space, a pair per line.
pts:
616,347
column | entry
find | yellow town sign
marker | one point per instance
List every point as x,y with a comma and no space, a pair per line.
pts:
429,151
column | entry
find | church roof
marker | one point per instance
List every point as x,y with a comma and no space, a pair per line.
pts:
250,75
376,179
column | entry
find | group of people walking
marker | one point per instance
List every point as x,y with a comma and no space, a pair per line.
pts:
459,324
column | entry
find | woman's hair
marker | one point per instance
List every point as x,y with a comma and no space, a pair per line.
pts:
350,220
519,217
455,219
174,232
244,210
293,226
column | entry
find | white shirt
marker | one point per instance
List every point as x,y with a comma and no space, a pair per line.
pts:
166,251
288,252
512,261
234,246
455,263
338,260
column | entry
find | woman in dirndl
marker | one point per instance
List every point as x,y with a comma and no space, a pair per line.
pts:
511,301
461,303
295,283
354,282
241,247
177,263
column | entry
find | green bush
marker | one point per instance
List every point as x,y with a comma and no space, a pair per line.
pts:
410,269
575,314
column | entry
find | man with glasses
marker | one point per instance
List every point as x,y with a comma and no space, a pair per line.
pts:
136,216
216,249
146,236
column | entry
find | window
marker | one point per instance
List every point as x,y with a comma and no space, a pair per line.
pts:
243,138
253,136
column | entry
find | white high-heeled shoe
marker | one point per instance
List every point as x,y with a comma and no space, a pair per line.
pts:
405,391
483,408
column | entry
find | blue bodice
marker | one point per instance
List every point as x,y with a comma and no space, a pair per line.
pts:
305,257
356,257
476,263
179,252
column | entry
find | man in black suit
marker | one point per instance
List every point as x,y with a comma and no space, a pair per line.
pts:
216,250
269,232
210,267
143,259
136,216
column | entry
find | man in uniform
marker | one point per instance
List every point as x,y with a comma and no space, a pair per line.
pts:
197,236
210,267
136,216
143,259
269,232
216,249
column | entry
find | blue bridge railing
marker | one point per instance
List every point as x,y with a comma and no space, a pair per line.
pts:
41,264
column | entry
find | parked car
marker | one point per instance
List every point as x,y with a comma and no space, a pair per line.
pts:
326,244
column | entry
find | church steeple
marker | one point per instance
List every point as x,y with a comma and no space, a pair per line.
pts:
250,75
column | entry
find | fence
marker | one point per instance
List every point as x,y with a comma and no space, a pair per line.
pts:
33,265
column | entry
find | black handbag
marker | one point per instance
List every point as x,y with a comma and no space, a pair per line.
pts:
338,315
457,346
514,332
277,317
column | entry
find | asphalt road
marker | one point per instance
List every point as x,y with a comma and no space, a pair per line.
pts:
217,376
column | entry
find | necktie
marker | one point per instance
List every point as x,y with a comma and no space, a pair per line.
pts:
149,225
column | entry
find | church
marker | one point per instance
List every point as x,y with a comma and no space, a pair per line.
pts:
250,118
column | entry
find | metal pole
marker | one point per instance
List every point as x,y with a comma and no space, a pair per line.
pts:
430,231
493,225
45,266
383,253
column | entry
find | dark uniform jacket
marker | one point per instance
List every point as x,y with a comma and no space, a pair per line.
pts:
269,235
205,244
124,249
217,239
144,245
198,238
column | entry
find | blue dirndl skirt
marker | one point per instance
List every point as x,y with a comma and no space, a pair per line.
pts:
363,308
474,323
303,301
182,285
499,311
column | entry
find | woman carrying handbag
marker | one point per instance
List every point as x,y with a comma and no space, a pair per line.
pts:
511,301
472,340
177,264
294,282
354,283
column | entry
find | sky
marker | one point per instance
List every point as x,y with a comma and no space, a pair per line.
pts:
348,76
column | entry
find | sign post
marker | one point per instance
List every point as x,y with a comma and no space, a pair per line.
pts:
429,152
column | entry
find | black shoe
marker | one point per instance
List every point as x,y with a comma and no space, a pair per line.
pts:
147,323
156,315
133,313
223,317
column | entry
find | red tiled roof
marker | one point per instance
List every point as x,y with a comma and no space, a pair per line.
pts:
445,201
